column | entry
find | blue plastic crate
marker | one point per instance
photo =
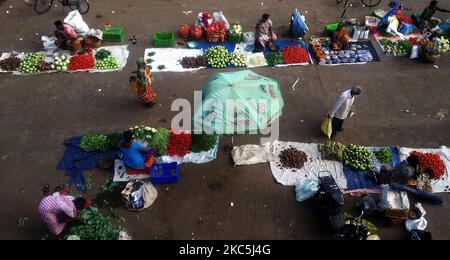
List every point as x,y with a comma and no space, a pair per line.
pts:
164,173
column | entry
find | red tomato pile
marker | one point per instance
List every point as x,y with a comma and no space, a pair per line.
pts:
432,162
82,62
179,143
294,54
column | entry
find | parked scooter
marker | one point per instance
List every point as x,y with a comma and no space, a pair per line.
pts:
330,200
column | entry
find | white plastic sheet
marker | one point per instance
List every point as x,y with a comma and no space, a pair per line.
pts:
312,167
170,58
202,157
119,52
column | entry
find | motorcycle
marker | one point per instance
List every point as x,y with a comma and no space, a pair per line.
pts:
330,201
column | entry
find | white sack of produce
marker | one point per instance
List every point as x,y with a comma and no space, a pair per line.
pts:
75,20
251,154
49,44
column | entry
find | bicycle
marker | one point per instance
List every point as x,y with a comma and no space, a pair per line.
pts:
42,6
366,3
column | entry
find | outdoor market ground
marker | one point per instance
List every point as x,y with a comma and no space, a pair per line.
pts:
39,112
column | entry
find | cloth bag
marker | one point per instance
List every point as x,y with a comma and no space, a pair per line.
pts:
139,195
327,127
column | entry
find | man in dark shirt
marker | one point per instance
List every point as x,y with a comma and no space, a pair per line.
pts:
427,20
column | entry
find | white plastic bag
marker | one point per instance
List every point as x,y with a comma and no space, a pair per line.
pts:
218,16
95,33
75,20
414,52
49,44
418,224
306,190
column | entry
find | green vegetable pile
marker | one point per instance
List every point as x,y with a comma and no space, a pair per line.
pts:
274,58
384,155
93,226
114,140
444,44
397,48
203,142
143,133
332,151
29,65
61,63
102,54
358,157
91,143
159,140
107,63
238,59
218,57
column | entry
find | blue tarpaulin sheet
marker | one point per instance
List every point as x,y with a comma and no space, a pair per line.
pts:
75,160
357,180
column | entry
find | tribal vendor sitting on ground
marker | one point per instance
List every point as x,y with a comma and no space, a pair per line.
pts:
407,171
340,38
66,37
265,37
134,154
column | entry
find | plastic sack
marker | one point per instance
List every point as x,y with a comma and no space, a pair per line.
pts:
75,20
95,33
139,195
298,24
306,190
249,38
414,52
49,44
417,224
327,127
218,16
393,26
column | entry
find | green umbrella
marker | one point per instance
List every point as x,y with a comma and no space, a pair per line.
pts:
238,101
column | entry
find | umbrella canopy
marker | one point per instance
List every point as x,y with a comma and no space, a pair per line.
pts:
238,101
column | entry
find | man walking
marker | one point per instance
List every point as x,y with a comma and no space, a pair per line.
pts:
343,108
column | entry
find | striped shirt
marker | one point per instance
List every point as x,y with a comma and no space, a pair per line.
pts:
52,206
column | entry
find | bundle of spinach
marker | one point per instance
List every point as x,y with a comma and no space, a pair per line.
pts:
93,226
102,54
95,142
203,142
159,140
274,58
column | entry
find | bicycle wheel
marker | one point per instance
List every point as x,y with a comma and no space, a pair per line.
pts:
42,6
371,3
81,5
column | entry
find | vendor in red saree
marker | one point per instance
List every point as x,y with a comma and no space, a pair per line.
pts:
265,37
340,38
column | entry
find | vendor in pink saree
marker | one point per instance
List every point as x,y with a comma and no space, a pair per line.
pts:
265,37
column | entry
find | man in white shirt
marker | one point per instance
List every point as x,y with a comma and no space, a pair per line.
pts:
343,108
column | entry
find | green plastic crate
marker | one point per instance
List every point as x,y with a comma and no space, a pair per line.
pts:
163,39
331,27
114,35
